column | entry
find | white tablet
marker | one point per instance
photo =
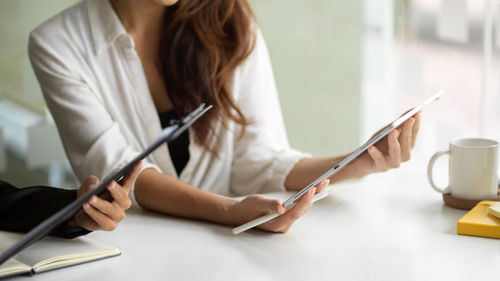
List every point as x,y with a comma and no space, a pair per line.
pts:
288,204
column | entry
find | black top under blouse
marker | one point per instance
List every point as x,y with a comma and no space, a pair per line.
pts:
178,148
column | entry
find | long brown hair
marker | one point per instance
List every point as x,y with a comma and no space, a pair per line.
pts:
202,43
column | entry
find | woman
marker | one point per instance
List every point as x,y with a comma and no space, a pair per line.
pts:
114,72
23,209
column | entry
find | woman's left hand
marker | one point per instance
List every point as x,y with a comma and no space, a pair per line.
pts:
391,151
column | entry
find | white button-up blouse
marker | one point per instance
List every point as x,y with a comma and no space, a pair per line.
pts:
96,90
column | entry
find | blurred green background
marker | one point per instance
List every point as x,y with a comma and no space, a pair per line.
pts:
343,68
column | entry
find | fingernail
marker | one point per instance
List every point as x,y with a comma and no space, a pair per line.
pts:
112,185
93,186
86,205
93,200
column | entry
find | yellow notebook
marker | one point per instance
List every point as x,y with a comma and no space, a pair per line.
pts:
478,222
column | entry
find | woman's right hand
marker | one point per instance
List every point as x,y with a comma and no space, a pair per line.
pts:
100,214
255,206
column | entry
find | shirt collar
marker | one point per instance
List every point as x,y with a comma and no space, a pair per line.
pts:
105,26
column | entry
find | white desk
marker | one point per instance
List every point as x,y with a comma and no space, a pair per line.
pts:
379,228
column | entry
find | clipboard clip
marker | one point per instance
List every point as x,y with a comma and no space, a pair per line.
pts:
191,116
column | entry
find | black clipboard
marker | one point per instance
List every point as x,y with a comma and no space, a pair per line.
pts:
168,134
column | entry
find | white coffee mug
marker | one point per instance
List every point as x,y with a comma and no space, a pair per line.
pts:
472,169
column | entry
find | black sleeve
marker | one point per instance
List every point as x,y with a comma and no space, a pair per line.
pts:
23,209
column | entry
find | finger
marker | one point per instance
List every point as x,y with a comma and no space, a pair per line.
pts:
131,176
268,206
405,139
278,207
103,222
93,180
415,129
283,223
394,149
84,220
120,195
298,210
88,184
378,158
108,209
320,186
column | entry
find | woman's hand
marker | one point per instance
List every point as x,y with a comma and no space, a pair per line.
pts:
100,214
255,206
391,151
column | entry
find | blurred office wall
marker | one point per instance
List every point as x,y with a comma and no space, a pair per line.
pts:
17,19
32,152
315,49
450,45
343,68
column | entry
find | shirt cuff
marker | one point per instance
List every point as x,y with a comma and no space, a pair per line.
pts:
145,165
284,163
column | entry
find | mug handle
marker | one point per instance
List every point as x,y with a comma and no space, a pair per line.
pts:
429,171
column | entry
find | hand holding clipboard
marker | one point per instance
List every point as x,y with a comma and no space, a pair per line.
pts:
167,135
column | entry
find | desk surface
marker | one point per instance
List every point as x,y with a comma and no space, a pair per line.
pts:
386,227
